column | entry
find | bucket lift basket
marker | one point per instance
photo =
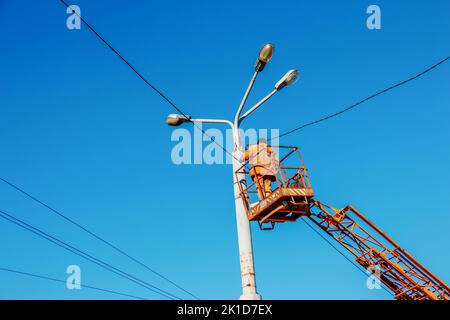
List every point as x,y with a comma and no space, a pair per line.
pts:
291,190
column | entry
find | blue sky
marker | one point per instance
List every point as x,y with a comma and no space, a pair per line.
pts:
79,130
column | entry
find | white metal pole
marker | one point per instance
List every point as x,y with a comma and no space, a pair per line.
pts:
243,227
243,224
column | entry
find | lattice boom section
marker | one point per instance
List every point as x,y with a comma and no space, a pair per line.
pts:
374,250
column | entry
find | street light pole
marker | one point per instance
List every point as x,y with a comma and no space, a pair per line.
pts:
243,224
244,232
249,291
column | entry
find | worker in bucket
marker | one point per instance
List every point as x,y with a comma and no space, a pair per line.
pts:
264,163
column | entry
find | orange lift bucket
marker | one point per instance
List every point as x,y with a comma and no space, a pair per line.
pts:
291,189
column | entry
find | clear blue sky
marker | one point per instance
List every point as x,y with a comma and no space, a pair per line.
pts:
79,130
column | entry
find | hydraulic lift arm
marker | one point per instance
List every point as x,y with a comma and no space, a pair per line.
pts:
406,277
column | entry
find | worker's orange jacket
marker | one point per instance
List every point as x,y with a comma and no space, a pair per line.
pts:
262,159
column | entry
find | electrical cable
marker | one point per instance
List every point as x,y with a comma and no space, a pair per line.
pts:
342,254
59,213
86,256
62,281
159,92
363,100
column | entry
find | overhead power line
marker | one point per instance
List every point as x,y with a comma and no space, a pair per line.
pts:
63,281
86,256
153,87
341,253
364,100
281,135
96,236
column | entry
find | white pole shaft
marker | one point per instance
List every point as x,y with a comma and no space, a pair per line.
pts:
243,230
243,224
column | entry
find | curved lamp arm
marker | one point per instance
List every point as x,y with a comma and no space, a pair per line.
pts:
256,106
213,121
244,99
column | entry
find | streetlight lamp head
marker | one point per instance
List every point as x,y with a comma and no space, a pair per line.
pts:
177,119
265,54
289,78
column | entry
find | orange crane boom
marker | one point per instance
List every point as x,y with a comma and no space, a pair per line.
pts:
398,270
